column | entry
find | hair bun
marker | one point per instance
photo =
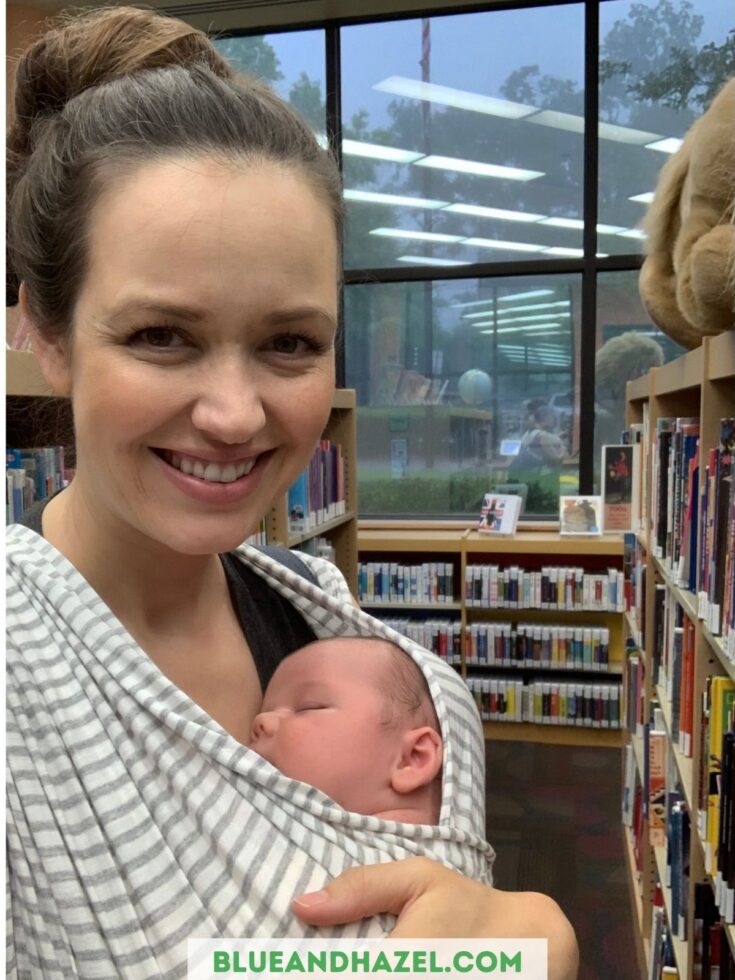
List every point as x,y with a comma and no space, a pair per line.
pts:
82,51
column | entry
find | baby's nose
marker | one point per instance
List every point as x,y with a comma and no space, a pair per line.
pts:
264,723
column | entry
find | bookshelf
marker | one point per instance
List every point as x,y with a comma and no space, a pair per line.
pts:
31,408
700,384
463,547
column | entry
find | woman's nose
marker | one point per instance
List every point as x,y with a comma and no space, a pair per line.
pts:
229,408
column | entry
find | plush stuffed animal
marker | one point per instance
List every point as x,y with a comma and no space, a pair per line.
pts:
687,281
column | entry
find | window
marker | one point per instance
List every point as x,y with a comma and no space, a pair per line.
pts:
628,346
463,145
661,64
292,63
450,374
457,142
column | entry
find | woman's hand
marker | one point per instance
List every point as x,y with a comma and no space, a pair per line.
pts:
429,900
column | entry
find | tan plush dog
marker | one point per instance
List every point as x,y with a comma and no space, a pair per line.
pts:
687,281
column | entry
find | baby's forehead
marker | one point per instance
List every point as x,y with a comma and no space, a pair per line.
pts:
332,661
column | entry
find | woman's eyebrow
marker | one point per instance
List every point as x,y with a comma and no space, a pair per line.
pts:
191,313
279,317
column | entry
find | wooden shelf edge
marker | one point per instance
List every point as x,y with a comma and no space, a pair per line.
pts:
507,731
23,375
721,366
344,398
297,539
685,372
684,765
434,607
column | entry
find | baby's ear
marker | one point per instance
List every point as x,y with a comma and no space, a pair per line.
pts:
420,760
52,355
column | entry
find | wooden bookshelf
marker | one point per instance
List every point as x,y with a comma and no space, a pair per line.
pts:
32,408
700,384
461,545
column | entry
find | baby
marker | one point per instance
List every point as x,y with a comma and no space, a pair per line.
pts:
353,717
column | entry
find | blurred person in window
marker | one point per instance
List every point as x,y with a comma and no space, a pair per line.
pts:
541,449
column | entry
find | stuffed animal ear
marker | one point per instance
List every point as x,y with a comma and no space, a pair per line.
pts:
53,356
419,761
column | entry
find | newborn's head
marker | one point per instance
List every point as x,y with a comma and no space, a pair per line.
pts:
354,718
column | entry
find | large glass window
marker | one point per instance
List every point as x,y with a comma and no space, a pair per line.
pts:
463,137
292,63
661,64
450,376
627,346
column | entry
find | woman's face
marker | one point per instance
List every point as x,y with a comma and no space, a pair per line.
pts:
202,360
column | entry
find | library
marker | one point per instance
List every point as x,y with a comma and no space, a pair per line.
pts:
401,331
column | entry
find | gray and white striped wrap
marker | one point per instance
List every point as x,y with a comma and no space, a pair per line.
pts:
135,821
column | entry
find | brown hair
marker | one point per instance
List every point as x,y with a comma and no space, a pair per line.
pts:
101,93
405,688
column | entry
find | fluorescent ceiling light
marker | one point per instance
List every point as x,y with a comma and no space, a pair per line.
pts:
504,312
423,236
575,223
560,250
499,213
602,255
476,316
558,120
624,134
572,123
632,233
505,246
477,168
476,302
610,229
526,295
456,97
372,197
539,329
645,198
376,152
529,318
668,145
535,306
423,260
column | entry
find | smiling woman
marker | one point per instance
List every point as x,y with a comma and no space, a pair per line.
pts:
176,233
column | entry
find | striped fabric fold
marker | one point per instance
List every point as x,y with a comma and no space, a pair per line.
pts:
136,822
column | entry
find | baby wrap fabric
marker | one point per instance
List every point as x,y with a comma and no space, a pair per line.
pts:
136,822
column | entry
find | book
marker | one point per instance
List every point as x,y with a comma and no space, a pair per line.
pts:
499,513
620,487
580,515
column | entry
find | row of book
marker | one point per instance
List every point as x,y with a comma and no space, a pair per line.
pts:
391,583
634,576
536,645
318,495
32,475
442,636
547,702
693,516
509,645
550,588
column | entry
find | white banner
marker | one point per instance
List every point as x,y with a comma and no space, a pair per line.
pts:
457,959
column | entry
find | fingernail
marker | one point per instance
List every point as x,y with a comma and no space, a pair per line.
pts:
310,899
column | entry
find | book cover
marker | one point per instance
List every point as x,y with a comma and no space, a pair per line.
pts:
298,504
620,467
722,698
580,515
499,514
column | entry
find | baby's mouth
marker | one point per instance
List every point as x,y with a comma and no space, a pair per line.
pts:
205,470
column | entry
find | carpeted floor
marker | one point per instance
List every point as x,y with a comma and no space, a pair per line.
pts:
553,817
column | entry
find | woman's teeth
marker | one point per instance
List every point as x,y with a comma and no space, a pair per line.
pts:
211,472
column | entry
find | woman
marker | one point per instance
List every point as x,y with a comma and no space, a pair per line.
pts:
176,233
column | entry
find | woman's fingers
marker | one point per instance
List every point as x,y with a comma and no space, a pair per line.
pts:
360,892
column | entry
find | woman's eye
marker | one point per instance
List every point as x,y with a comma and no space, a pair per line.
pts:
289,343
160,338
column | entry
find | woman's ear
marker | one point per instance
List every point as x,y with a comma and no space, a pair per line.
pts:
52,355
420,760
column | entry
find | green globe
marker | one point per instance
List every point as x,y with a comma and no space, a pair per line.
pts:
475,387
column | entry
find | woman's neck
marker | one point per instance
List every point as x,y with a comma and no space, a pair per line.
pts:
141,580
